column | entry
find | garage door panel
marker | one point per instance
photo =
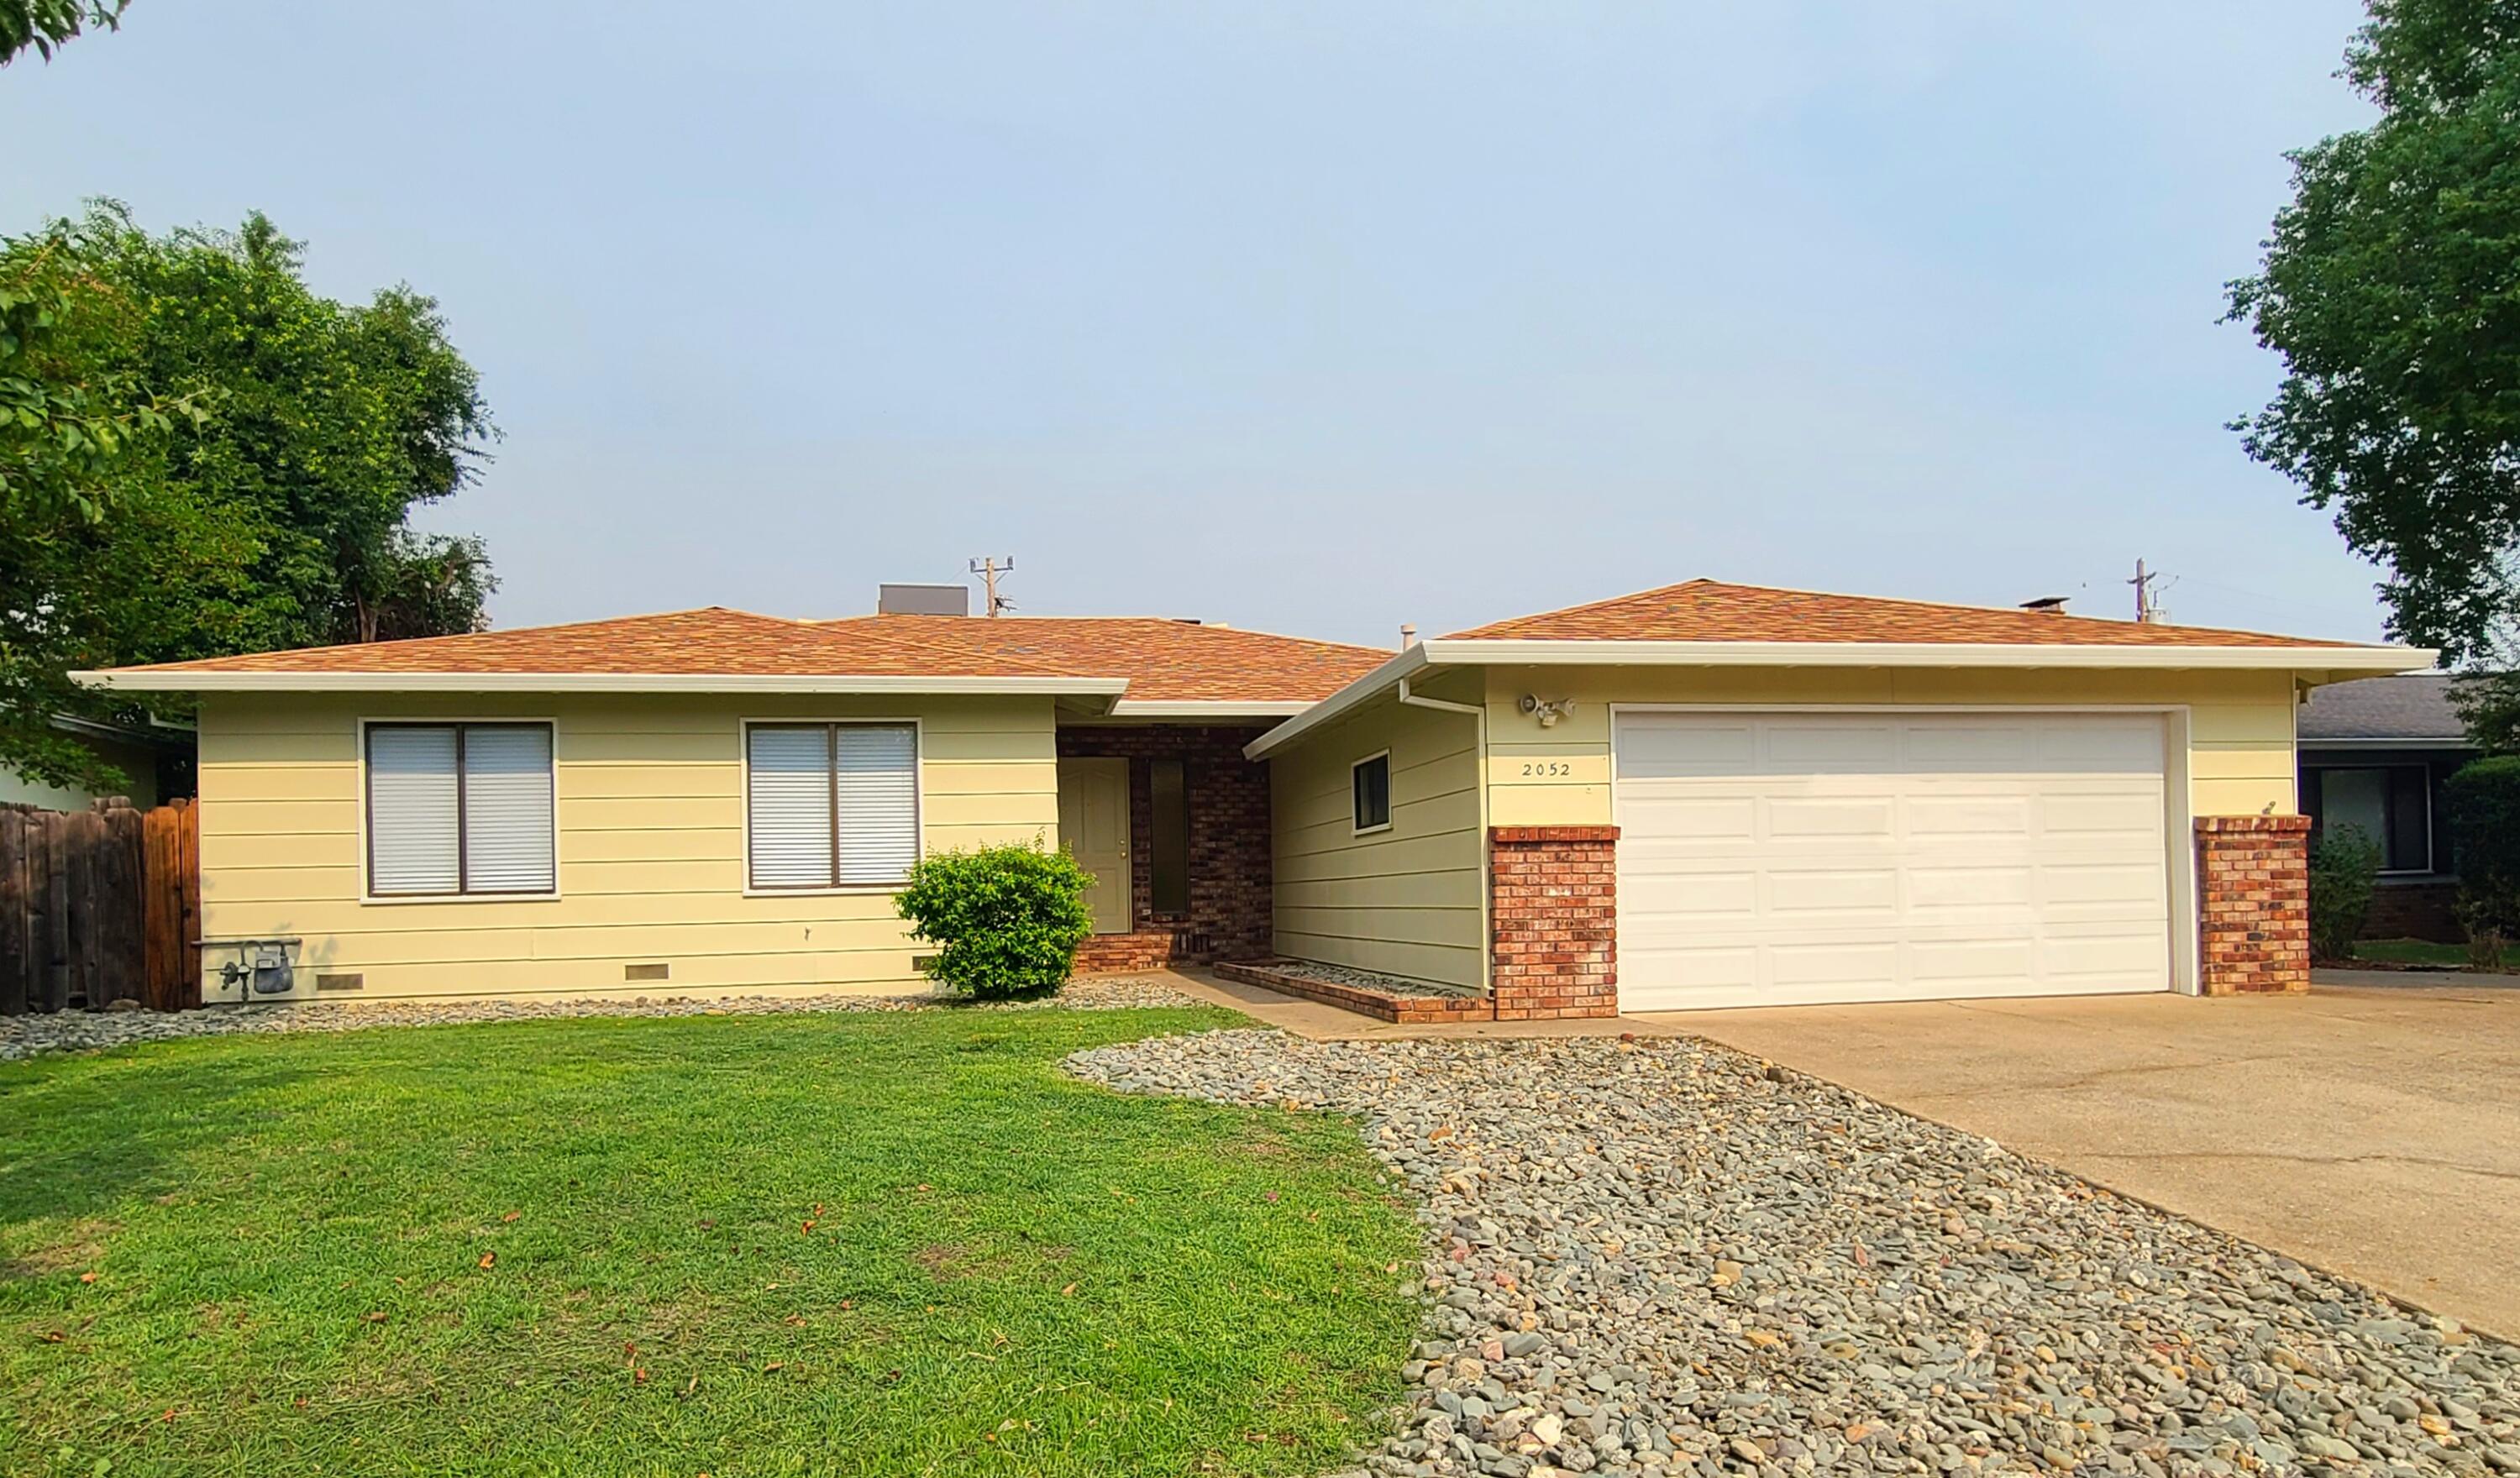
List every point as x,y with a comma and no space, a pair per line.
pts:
1968,888
1970,815
1722,748
2136,816
1816,857
1835,816
1681,819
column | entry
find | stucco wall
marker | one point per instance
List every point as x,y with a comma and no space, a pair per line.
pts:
1406,900
650,819
2239,761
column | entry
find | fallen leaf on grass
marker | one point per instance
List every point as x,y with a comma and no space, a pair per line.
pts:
87,1278
376,1316
488,1258
512,1216
1068,1292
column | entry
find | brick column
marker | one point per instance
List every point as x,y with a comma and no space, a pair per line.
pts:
1553,921
2252,903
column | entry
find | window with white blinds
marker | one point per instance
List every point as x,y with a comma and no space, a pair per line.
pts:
831,805
460,809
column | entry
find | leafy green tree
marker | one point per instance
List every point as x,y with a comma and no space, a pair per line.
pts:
273,512
2390,286
47,24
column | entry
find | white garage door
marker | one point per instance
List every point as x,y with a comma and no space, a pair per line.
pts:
1782,858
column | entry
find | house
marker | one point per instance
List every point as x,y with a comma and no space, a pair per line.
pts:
156,760
1706,794
2373,755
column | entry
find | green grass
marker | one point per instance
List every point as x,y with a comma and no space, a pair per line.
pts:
2411,952
1006,1270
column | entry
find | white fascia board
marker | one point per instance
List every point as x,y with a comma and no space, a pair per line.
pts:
585,682
1400,665
1203,708
2360,660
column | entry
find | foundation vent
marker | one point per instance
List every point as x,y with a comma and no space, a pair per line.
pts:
649,970
340,982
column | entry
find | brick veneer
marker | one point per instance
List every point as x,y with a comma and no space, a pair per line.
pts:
2252,903
2414,911
1553,921
1227,795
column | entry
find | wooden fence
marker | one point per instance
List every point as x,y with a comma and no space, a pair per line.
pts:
100,906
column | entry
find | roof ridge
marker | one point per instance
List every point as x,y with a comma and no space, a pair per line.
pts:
1471,633
1177,624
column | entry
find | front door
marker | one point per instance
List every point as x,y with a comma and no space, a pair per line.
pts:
1094,826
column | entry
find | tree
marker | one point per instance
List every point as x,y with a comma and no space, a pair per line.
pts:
2391,287
272,511
47,24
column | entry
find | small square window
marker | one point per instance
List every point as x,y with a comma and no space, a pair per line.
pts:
1371,783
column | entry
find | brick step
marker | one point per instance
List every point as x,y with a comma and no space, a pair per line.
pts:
1406,1010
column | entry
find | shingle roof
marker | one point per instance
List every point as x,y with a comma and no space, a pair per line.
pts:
1162,660
2416,706
1706,611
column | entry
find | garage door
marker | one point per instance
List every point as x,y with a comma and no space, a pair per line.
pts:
1782,857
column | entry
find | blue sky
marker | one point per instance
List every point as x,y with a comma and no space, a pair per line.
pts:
1311,317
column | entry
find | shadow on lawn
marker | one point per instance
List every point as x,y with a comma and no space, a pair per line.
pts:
85,1136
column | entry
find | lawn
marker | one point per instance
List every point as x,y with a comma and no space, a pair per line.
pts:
2411,952
876,1244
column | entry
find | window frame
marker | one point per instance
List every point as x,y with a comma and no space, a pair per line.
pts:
368,812
918,805
2431,842
1354,829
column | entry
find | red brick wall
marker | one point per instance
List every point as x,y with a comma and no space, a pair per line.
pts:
1553,921
2252,903
1227,795
2414,911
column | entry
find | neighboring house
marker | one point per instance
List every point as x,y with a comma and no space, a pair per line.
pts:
2373,755
156,758
1702,795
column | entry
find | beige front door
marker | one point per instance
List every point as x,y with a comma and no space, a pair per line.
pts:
1094,824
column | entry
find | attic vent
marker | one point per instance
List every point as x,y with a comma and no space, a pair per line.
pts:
652,970
2047,606
340,982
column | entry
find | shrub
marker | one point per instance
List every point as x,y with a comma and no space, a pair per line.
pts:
2344,869
1005,921
2484,803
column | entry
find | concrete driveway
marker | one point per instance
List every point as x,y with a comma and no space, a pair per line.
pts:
2368,1128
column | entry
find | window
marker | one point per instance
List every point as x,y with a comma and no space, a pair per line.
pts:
456,809
2391,804
1168,844
831,805
1370,782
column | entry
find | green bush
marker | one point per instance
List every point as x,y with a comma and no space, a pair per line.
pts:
1005,921
2484,803
2344,869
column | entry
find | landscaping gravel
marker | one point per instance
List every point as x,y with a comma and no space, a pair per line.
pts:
78,1031
1656,1257
1364,980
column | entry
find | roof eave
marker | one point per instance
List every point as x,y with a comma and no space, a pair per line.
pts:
143,679
1402,664
1517,653
1208,708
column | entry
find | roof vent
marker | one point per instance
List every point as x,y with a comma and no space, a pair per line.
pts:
922,600
2046,606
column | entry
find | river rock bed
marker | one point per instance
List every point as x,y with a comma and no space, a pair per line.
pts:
81,1031
1652,1256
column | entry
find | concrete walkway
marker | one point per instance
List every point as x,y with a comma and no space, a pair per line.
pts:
2372,1130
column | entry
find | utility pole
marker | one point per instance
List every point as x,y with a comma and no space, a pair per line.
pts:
2145,609
988,571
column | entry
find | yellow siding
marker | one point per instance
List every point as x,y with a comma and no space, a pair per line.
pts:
1406,900
2240,754
651,844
